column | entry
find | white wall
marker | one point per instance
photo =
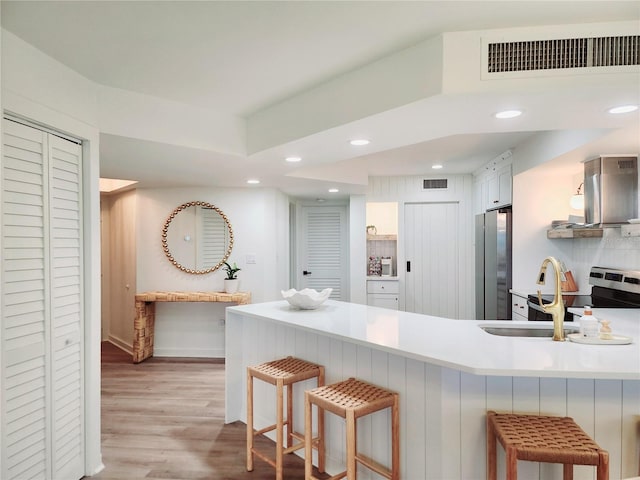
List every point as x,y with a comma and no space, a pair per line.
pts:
357,249
119,267
259,218
384,216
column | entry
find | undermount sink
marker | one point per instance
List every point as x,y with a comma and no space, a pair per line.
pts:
525,331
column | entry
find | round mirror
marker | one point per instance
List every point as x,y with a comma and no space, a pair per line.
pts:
197,237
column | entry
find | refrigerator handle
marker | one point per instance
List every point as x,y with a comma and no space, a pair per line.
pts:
408,266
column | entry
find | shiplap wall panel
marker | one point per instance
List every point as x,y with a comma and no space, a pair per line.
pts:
473,393
630,441
451,422
607,395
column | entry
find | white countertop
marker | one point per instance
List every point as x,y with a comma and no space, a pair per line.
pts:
461,344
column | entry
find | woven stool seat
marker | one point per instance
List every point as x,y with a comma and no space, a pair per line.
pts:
352,399
289,370
541,438
282,373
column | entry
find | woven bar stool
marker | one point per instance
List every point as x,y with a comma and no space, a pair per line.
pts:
352,399
281,373
539,438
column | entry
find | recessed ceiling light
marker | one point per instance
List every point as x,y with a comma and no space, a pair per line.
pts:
509,114
293,159
623,109
333,190
253,181
437,166
359,142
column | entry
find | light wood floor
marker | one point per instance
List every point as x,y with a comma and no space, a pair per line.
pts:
164,419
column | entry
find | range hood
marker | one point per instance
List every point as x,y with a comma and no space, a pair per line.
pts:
611,189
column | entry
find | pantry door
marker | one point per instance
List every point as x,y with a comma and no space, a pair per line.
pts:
431,252
42,371
323,260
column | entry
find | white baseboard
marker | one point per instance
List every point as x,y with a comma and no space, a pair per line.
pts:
189,353
118,342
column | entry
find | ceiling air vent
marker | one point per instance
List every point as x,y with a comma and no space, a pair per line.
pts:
431,183
563,53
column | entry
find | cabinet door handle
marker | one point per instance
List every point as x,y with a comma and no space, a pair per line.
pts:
408,266
305,272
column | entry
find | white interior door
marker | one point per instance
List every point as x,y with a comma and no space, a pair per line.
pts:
431,251
42,337
323,260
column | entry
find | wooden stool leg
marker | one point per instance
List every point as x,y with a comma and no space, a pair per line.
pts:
321,441
249,422
395,439
308,452
492,473
603,465
279,428
512,463
567,471
352,472
289,415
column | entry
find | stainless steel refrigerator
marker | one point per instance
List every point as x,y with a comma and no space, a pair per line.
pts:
493,265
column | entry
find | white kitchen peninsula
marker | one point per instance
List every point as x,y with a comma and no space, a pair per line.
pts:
448,374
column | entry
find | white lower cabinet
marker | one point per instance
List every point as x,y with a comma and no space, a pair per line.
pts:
519,308
383,293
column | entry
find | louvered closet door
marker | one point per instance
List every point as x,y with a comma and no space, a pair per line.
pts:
66,306
324,250
42,409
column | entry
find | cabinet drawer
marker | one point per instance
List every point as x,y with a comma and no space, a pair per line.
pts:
384,300
381,286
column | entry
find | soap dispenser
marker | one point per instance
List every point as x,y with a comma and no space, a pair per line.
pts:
588,324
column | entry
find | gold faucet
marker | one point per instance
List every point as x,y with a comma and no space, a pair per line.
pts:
555,308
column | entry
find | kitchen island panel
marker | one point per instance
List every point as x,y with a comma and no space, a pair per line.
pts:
442,409
473,389
630,428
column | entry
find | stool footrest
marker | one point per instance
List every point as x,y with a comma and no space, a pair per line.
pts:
373,465
264,430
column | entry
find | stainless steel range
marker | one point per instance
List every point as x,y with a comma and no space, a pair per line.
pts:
611,288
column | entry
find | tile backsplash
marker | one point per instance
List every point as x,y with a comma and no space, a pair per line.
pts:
612,250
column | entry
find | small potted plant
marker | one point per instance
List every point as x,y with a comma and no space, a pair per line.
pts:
231,282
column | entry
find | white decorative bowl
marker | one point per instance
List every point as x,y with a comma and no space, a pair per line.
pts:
306,299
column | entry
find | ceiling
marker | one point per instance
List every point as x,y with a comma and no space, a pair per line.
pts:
239,58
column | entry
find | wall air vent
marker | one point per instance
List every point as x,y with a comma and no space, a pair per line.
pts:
431,183
563,53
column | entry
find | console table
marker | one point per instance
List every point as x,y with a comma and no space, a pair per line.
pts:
144,323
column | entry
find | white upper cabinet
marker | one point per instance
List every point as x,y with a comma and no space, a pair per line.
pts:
493,184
